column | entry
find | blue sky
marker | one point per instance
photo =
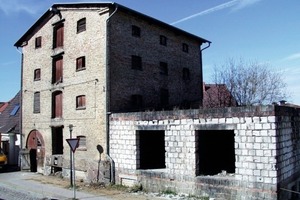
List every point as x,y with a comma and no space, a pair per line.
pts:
266,31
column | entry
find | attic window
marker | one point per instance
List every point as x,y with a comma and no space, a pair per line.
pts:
185,47
136,31
163,40
15,110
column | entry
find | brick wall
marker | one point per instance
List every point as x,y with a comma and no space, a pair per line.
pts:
258,160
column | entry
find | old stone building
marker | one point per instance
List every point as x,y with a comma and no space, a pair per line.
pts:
81,62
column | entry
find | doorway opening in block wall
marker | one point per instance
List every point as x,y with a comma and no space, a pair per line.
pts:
151,149
57,146
215,152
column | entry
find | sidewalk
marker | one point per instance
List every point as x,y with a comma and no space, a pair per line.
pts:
23,182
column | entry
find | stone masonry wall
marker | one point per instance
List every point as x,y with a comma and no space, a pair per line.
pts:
255,143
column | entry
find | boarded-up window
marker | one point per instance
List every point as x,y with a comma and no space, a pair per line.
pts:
37,74
36,103
80,63
58,36
80,102
57,76
38,42
57,104
81,25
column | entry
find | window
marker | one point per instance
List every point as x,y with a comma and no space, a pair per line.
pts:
38,42
36,102
164,97
151,149
80,63
57,73
136,62
82,142
211,161
58,35
80,102
37,74
57,104
81,25
185,47
163,66
136,31
15,110
136,101
185,74
163,40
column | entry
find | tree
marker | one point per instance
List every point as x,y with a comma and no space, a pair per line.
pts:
251,83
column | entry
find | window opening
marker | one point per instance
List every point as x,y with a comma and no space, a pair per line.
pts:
58,35
57,76
36,102
82,142
185,47
215,152
164,97
151,148
185,74
81,25
137,101
163,66
163,40
136,62
80,102
37,74
136,31
38,42
80,63
57,104
57,143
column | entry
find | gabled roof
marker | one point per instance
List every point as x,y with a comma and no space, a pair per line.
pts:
10,117
113,6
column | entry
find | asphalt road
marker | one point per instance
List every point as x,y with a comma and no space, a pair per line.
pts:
18,186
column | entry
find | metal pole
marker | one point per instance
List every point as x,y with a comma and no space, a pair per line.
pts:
73,168
71,174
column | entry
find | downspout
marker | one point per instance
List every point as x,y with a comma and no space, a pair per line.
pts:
201,68
21,107
108,93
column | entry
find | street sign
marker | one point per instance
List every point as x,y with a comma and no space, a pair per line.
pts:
73,143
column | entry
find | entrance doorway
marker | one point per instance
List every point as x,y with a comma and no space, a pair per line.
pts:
36,145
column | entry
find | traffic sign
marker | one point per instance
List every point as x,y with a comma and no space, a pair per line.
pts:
73,143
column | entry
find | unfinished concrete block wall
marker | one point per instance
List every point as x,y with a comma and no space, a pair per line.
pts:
245,165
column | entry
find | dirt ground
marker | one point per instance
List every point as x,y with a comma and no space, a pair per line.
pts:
116,192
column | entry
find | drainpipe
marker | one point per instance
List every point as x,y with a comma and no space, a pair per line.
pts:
20,110
108,93
201,69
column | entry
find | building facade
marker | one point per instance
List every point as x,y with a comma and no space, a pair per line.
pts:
80,62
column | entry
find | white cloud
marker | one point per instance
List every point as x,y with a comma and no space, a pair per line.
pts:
295,56
14,6
235,4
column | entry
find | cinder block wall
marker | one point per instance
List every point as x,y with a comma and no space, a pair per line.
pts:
257,158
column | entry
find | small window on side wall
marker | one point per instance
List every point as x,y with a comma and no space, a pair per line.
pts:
136,62
136,31
81,25
37,74
185,47
80,102
81,142
80,63
163,66
38,42
163,40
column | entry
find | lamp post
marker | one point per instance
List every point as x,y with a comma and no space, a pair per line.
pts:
71,174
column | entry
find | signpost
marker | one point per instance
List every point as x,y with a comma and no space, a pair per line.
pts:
73,143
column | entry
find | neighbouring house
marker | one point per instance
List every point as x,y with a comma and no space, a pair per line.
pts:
10,139
81,62
217,95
